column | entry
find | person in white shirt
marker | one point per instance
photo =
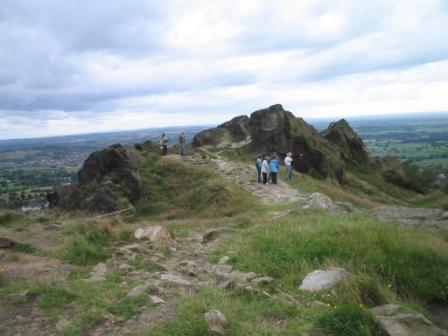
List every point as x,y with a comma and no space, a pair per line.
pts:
265,169
288,164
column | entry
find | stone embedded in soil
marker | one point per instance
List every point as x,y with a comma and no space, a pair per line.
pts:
8,242
154,234
322,279
156,299
263,280
387,310
223,259
409,325
175,279
216,321
137,291
213,234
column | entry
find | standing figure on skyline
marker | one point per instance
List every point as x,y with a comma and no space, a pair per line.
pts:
164,143
182,143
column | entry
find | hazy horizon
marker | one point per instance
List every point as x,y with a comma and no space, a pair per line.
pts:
378,117
100,66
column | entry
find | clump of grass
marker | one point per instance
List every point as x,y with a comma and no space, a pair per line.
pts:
130,306
52,298
25,248
412,263
349,320
89,245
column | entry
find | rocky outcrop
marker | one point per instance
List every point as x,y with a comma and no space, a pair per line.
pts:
233,131
350,144
275,130
423,217
108,181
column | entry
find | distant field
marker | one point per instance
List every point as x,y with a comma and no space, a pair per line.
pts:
29,168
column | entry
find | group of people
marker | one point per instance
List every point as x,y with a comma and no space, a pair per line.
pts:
268,168
163,141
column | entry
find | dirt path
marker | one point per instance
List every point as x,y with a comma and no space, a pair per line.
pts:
245,175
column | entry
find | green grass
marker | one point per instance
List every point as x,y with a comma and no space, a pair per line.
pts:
349,320
246,314
178,189
412,263
89,245
130,306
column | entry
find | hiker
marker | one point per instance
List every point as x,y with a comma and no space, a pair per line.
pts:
274,166
258,164
265,169
164,143
288,164
182,143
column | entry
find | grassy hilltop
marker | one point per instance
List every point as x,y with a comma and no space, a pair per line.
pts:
220,224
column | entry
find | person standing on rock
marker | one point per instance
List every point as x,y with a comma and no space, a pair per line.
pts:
164,143
182,143
258,164
274,167
288,164
265,169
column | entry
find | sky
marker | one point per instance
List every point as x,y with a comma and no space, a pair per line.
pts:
82,66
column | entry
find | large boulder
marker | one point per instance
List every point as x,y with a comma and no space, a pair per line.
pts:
322,279
108,181
233,131
350,144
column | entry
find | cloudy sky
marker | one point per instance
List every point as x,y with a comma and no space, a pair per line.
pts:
83,66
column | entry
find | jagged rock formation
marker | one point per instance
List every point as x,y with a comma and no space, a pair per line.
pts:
350,144
235,130
275,130
108,181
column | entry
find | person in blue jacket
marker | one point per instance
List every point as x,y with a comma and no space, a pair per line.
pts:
274,167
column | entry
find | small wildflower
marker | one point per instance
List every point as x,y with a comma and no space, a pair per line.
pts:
328,305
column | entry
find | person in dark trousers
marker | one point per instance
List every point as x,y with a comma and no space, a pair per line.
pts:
265,169
258,164
182,143
164,143
274,167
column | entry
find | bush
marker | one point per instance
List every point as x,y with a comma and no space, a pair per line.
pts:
349,320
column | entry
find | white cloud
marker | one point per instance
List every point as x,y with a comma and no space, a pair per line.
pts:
66,67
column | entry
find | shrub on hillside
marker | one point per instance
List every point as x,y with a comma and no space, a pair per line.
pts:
349,320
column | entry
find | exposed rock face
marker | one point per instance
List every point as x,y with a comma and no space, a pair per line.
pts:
350,144
108,181
413,216
396,322
275,130
394,173
235,130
